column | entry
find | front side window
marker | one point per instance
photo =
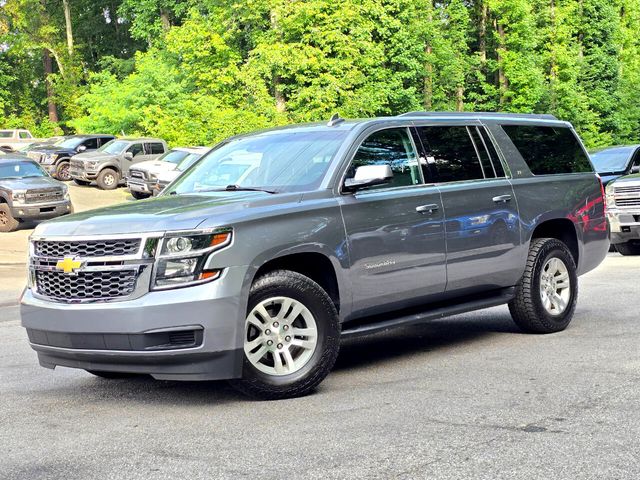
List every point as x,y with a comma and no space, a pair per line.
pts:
391,147
136,149
91,143
280,161
451,154
548,150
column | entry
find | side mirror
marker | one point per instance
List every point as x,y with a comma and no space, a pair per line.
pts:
368,176
81,148
128,155
635,169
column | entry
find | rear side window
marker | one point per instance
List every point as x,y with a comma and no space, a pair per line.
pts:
451,153
392,147
155,148
548,150
25,135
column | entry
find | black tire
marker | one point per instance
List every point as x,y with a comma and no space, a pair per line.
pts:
139,195
113,375
527,309
7,222
612,248
285,283
82,183
62,171
108,179
628,248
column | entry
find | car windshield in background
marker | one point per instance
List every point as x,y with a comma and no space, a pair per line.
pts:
6,134
187,161
69,142
114,147
612,160
275,161
20,170
173,156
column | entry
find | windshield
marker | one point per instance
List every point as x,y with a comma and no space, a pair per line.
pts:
285,161
6,134
612,159
114,147
20,170
69,142
187,161
173,156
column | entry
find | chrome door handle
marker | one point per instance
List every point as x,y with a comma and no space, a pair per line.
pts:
431,208
502,198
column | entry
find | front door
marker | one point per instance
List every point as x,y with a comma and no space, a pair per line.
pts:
484,250
395,232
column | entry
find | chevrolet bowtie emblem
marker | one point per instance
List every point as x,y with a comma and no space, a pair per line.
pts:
68,265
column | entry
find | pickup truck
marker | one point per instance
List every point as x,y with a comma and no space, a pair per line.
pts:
16,139
339,229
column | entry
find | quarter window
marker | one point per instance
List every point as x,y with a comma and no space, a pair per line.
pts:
451,154
548,150
391,147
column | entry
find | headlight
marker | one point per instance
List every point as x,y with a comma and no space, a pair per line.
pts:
91,164
50,158
610,200
65,192
18,196
183,257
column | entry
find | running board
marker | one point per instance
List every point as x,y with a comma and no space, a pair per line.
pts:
385,322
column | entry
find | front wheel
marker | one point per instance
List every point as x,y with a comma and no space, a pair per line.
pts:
139,195
547,293
82,183
291,337
7,222
62,172
108,179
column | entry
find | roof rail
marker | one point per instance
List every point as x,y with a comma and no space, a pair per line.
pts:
541,116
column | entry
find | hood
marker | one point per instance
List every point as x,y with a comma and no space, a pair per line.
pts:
48,149
634,178
171,212
608,178
154,166
93,156
29,183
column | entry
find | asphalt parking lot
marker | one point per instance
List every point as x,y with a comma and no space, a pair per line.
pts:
467,397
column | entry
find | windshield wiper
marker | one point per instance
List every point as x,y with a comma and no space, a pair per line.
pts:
235,188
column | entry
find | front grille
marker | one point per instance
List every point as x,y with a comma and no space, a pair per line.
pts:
86,285
628,202
88,248
184,337
137,174
40,196
627,196
627,190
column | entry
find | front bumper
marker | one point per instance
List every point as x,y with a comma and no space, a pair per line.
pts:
625,225
123,336
141,186
41,211
79,174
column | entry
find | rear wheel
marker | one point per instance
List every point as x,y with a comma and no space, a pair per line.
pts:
546,296
628,248
7,222
82,183
108,179
291,337
62,171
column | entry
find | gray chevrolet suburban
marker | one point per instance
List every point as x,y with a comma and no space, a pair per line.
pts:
109,165
335,230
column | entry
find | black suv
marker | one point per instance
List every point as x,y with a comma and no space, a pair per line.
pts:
55,158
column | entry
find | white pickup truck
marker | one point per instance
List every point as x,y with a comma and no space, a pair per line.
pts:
16,139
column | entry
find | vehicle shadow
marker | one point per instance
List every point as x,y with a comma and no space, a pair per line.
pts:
423,338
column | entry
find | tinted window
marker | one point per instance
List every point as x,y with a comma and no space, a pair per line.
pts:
392,147
548,150
155,148
173,156
485,160
136,149
91,143
450,152
6,134
491,149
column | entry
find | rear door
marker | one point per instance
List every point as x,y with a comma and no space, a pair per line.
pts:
395,232
137,150
482,227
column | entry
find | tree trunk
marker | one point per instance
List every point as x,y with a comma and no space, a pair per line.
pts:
553,65
165,19
503,82
67,21
460,98
281,103
48,70
482,33
428,81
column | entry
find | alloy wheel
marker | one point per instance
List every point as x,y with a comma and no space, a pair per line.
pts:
555,286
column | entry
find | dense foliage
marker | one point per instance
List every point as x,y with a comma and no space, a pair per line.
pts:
194,72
